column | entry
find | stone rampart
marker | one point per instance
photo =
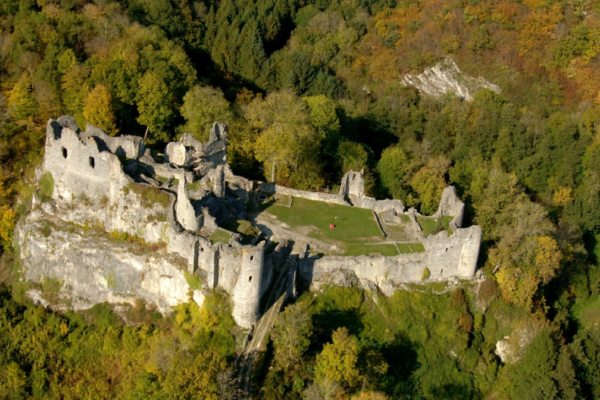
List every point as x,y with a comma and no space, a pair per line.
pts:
324,197
92,188
445,257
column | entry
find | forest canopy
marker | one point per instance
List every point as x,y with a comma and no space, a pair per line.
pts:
310,90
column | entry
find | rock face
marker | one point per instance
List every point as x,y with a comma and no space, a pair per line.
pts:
96,268
445,77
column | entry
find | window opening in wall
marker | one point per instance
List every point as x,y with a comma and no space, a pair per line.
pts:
92,162
64,151
201,248
251,258
250,278
441,271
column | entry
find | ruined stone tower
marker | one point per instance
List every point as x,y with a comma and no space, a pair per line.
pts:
247,290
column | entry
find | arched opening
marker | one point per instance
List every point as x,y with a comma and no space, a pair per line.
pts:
64,152
92,162
250,278
251,259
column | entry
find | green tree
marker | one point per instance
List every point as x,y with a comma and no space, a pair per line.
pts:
393,170
337,361
323,116
21,103
291,335
429,183
98,109
203,106
154,105
531,378
352,156
285,135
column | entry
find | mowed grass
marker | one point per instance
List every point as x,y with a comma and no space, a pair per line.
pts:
588,311
354,226
407,248
429,225
220,236
364,249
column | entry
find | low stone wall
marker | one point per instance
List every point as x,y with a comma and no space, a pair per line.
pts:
324,197
371,203
445,257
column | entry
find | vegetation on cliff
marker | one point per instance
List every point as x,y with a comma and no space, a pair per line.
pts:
310,90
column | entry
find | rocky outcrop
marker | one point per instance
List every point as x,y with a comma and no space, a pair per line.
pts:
446,77
97,267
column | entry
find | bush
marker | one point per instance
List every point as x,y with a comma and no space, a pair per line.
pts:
426,274
193,280
46,185
149,194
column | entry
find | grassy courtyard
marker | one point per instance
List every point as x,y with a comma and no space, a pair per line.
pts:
429,225
355,227
220,236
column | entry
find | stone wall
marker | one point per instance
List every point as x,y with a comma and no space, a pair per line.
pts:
453,256
451,204
324,197
125,146
78,166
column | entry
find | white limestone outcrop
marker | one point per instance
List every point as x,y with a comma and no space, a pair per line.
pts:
446,77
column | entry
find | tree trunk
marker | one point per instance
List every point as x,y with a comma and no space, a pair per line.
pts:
273,172
146,134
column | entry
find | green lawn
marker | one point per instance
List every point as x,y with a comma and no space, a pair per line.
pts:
407,248
220,236
587,311
363,249
354,226
405,218
429,225
273,199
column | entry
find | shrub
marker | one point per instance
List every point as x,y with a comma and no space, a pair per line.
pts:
46,185
193,280
426,274
149,194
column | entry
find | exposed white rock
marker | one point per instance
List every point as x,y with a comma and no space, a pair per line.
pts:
512,348
446,77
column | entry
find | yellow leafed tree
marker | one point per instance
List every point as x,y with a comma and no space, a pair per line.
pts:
7,225
98,110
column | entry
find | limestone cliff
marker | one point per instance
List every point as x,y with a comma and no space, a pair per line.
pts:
446,77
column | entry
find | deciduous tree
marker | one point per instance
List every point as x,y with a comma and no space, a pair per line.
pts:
98,109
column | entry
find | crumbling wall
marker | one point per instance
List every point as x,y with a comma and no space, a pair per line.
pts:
324,197
186,215
445,257
78,166
126,146
451,204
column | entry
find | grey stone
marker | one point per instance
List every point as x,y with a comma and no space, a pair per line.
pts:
93,189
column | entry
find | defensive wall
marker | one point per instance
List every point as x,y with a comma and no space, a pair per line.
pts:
113,183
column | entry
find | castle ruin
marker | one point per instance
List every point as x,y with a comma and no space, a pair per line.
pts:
124,223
